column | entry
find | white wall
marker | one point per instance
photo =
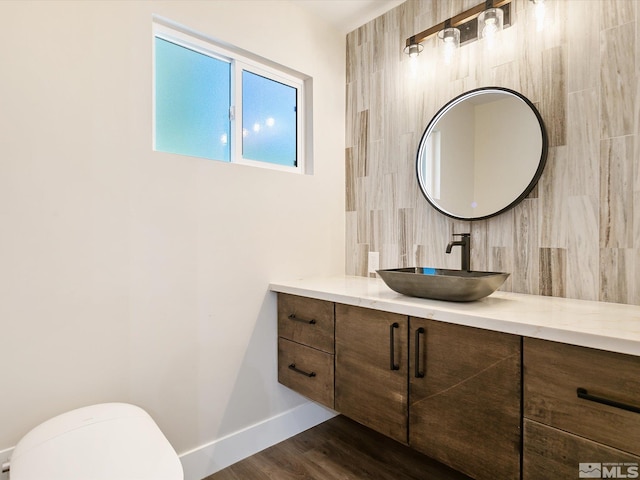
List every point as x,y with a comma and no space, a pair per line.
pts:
130,275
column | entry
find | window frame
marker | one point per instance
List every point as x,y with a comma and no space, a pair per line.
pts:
239,61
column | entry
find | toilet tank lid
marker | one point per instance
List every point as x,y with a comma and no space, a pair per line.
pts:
109,440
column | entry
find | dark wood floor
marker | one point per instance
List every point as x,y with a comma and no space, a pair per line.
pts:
338,449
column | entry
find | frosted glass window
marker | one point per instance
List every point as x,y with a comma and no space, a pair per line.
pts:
269,120
192,101
213,100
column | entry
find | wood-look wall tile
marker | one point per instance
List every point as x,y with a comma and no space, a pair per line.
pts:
501,260
362,207
350,108
435,231
378,45
583,65
636,166
553,266
362,259
526,264
530,46
583,132
501,51
578,233
350,180
404,157
419,256
636,215
583,264
389,257
553,199
618,80
390,234
351,65
554,94
616,12
500,230
554,32
406,228
376,227
616,192
507,75
363,84
633,279
378,108
614,272
479,245
362,142
351,236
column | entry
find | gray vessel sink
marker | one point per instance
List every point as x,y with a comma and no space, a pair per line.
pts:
442,284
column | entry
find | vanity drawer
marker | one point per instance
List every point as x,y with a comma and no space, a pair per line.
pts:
307,321
553,373
550,453
306,370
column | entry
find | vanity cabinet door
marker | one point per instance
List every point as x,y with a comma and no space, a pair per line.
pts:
371,369
465,398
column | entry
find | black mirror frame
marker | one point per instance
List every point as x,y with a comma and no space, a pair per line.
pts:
454,102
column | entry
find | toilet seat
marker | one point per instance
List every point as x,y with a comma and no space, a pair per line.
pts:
110,441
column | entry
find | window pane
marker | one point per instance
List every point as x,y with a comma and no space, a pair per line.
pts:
268,120
192,102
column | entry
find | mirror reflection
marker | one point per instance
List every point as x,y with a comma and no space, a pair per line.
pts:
481,154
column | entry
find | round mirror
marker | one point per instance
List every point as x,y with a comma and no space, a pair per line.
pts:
482,153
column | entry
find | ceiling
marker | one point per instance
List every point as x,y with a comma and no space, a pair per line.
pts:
347,15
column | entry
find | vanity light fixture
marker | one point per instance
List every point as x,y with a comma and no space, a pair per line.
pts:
413,49
490,21
465,23
450,37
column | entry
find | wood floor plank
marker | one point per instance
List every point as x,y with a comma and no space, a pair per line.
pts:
339,449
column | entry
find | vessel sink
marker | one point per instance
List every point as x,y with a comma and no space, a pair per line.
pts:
443,284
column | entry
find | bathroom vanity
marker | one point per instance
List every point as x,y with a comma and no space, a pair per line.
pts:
511,386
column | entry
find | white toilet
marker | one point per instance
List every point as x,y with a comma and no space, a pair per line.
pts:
109,441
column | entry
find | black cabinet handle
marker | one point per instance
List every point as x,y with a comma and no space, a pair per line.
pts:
301,372
303,320
582,393
392,347
418,373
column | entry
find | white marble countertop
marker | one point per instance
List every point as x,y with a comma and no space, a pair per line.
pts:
606,326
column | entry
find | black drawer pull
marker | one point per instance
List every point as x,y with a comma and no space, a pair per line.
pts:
418,373
301,372
296,319
582,393
392,347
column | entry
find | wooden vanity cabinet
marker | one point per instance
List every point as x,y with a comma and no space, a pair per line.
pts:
371,369
449,391
465,398
306,347
581,406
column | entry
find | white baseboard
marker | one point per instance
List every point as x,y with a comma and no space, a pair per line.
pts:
210,458
5,455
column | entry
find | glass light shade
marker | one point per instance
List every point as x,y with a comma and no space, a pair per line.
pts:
414,49
490,22
450,42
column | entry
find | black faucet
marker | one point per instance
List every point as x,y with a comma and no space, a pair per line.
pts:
465,243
